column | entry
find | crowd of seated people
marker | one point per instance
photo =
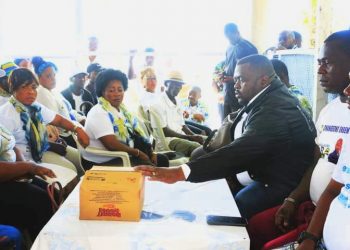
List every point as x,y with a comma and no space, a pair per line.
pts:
40,129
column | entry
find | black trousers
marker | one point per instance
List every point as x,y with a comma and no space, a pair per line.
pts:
25,205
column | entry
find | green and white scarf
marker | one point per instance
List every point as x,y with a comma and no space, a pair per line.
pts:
121,126
35,130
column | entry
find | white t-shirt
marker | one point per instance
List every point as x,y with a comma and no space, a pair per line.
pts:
97,125
78,100
169,113
337,227
148,99
332,126
10,118
3,99
56,102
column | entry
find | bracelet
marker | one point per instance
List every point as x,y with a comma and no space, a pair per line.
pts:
138,153
75,128
289,199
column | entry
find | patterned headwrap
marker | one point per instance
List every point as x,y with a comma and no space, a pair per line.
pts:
35,130
8,68
40,65
121,126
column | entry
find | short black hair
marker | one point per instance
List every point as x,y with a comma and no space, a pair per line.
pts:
230,28
21,76
280,67
259,63
342,38
106,76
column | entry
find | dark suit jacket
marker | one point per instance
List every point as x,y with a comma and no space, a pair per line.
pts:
68,94
276,147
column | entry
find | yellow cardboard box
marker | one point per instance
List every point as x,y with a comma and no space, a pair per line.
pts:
111,193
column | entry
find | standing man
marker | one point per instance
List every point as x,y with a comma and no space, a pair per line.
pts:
149,62
275,152
93,69
238,49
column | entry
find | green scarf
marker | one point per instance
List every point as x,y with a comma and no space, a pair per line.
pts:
4,93
121,126
35,130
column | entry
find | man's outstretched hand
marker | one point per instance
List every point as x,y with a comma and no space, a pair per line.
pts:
167,175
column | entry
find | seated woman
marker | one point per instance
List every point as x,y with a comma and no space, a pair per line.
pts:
111,127
23,203
149,82
26,120
47,96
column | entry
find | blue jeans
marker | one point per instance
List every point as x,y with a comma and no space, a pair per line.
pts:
257,197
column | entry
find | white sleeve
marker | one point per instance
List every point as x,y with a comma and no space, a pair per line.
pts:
99,125
186,169
10,124
343,163
48,114
46,101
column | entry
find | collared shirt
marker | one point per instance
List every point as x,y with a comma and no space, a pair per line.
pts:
170,114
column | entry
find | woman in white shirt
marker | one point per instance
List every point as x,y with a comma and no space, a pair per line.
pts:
47,96
110,126
149,82
26,120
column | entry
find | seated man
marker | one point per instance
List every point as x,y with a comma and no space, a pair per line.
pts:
195,112
282,72
273,139
179,136
332,211
75,94
282,224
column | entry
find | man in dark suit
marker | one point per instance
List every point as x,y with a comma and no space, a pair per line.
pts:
272,139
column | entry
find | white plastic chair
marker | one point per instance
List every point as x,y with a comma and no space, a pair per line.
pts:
96,151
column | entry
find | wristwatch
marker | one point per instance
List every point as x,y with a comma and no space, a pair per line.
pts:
306,235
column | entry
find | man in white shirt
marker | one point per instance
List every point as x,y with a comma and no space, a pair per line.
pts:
179,137
274,141
333,127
